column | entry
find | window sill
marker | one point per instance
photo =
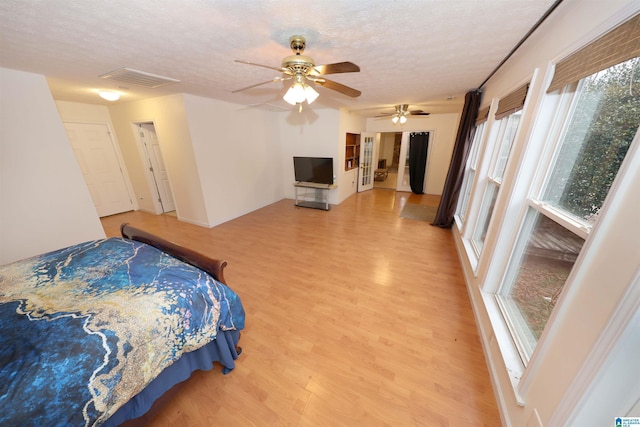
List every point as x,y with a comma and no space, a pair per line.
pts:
469,250
459,221
508,350
500,350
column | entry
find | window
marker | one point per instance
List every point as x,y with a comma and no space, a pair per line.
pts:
602,117
597,139
508,127
469,175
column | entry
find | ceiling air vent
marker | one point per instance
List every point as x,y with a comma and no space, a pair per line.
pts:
138,78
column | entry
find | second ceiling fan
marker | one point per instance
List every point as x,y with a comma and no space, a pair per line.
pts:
401,113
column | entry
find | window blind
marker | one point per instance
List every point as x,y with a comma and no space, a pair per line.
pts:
512,102
483,114
616,46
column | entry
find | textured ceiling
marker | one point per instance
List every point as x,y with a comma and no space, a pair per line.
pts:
418,52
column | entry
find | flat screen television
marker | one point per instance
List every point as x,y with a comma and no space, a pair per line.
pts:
313,169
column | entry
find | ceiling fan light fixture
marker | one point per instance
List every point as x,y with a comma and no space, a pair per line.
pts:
400,114
311,94
295,94
300,92
399,118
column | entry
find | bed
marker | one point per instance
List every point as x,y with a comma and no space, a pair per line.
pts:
95,333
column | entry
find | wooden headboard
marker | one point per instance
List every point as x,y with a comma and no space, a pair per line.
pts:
212,266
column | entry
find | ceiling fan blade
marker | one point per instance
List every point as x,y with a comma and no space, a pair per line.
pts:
282,70
338,67
418,113
385,115
274,80
338,87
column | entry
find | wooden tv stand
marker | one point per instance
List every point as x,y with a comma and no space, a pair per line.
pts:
313,195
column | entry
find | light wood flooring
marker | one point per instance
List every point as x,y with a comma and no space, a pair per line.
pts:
391,182
354,317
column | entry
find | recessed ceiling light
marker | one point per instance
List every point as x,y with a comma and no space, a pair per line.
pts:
109,95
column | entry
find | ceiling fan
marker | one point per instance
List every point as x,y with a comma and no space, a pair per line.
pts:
401,113
302,70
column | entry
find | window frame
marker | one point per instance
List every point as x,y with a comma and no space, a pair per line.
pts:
471,170
493,182
568,99
511,315
565,108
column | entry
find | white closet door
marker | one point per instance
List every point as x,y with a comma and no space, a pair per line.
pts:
156,166
96,155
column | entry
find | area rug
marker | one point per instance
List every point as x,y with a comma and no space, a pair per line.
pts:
419,212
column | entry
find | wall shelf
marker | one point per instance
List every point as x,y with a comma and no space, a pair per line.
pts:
352,151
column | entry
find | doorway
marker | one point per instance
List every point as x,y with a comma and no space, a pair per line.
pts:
386,173
156,171
414,158
394,158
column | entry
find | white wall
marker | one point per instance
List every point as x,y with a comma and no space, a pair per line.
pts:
222,159
221,167
443,129
237,155
322,133
83,113
387,145
555,379
347,180
45,202
312,133
169,116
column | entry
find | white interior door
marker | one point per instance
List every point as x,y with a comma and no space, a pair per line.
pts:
95,151
367,161
156,166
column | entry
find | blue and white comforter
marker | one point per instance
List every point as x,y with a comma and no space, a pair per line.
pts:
85,328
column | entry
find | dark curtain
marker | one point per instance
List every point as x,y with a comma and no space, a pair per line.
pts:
453,183
418,147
